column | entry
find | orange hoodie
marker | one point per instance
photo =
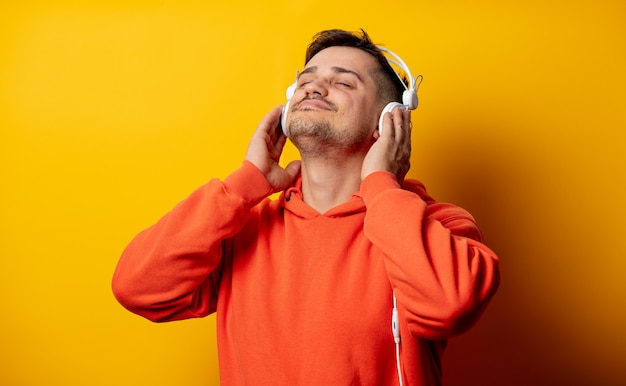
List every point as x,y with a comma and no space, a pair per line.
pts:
304,298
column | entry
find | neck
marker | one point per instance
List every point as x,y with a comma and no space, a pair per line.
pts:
327,183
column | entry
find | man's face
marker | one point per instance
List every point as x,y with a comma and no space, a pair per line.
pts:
335,100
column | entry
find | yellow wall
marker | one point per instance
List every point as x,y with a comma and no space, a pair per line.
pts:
112,112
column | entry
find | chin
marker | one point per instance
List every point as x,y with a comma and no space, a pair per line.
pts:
306,127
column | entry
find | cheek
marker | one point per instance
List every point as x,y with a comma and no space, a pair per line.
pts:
360,112
363,121
369,116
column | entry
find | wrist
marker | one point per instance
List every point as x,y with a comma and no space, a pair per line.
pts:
377,182
249,183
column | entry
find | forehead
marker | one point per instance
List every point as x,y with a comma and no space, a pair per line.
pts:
350,58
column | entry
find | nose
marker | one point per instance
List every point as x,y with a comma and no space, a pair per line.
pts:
317,86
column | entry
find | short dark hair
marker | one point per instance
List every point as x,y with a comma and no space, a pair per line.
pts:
390,86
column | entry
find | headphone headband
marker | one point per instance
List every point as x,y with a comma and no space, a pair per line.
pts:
409,97
393,58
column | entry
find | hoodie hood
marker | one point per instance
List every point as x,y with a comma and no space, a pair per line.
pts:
292,200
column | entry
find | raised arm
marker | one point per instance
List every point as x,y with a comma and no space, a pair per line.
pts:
171,270
442,274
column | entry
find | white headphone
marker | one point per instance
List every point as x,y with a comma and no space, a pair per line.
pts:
409,96
290,91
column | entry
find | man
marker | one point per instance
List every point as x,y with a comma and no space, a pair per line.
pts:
304,286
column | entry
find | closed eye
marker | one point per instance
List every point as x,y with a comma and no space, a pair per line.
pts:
344,84
304,80
342,77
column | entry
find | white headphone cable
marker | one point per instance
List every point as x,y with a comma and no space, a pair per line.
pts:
395,328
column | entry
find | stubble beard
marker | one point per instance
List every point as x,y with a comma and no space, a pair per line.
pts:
320,140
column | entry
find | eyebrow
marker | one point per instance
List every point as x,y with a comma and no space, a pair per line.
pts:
338,70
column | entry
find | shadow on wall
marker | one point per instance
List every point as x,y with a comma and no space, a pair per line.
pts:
525,337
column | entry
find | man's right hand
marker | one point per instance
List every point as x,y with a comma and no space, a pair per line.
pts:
264,152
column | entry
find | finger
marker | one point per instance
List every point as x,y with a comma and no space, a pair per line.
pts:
279,144
398,119
269,123
293,169
404,117
407,120
389,129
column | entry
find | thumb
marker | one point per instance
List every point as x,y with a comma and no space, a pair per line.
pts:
293,169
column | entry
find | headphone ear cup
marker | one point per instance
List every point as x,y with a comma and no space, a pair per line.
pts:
283,117
409,99
290,91
388,108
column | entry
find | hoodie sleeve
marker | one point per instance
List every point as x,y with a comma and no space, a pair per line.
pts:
442,274
170,271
